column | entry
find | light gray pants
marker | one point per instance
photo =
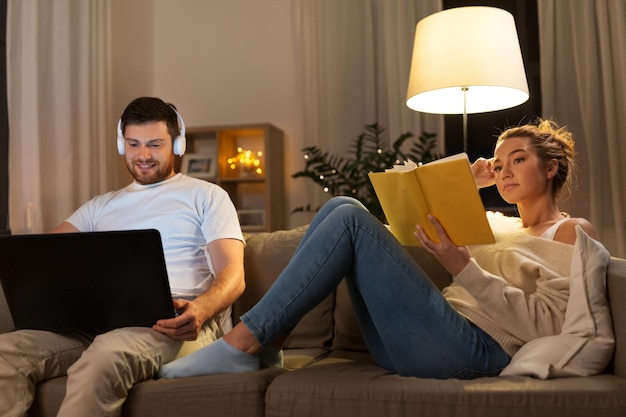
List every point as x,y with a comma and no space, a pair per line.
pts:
101,369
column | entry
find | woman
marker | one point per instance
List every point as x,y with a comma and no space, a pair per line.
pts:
411,328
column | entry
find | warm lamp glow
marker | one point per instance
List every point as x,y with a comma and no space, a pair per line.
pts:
466,60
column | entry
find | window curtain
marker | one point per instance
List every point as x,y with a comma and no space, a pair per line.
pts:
58,97
583,73
396,20
353,67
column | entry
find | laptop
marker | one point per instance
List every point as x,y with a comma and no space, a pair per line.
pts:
85,281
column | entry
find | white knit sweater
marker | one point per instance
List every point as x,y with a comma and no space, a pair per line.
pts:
520,290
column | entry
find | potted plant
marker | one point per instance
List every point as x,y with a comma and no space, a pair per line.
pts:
369,152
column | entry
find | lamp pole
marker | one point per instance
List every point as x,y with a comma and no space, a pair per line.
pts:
464,89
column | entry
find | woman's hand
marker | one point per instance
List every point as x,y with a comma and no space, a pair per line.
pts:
450,256
482,169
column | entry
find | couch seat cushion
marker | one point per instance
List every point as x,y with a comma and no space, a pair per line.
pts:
299,358
215,395
341,387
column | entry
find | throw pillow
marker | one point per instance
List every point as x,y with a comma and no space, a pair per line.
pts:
585,345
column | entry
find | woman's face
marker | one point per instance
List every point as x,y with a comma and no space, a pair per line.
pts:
520,174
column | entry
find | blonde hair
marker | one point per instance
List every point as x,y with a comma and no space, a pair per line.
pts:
550,141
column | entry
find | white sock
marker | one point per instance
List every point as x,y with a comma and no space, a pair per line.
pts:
217,358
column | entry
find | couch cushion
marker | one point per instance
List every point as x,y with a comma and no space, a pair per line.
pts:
340,387
585,344
616,284
211,395
6,322
299,358
219,395
347,332
266,255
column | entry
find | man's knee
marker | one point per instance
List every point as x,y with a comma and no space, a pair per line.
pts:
122,354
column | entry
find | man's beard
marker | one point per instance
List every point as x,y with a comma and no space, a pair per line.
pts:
157,172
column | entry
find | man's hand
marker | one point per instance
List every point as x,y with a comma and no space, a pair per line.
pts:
227,286
184,327
482,169
450,256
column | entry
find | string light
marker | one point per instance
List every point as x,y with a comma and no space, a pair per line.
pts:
248,161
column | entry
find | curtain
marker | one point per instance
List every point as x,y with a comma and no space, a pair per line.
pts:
335,64
396,22
57,69
353,59
583,73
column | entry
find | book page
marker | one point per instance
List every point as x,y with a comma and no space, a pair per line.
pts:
453,198
402,201
444,188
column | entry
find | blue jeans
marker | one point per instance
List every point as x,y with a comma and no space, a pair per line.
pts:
408,326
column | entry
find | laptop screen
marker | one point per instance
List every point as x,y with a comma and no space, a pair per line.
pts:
85,281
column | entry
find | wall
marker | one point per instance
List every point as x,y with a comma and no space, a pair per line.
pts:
4,127
220,62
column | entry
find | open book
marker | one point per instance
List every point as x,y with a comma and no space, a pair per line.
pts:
444,188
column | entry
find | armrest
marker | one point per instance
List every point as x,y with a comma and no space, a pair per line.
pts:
6,323
616,283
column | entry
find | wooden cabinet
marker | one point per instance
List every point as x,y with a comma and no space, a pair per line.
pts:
256,190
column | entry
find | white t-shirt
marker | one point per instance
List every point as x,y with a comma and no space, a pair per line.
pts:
188,212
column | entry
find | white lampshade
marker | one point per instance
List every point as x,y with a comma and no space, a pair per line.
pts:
472,51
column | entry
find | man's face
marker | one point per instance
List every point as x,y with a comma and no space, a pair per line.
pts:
149,157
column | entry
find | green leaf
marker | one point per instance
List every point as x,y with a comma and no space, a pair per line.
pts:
368,152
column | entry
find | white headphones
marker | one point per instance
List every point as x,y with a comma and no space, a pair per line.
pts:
178,145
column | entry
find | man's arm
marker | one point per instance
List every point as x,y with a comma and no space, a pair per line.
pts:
228,285
65,227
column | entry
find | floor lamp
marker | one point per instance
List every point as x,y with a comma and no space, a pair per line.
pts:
466,60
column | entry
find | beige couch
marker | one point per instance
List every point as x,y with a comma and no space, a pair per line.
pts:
329,373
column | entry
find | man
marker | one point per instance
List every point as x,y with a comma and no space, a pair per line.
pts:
203,247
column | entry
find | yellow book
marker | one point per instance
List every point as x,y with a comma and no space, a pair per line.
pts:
444,188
